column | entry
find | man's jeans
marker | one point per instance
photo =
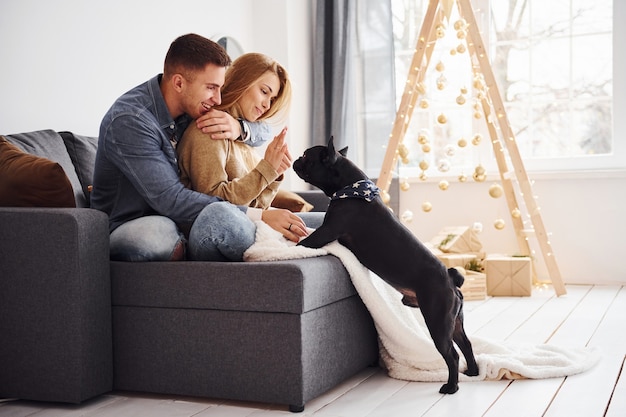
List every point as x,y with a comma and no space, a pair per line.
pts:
221,232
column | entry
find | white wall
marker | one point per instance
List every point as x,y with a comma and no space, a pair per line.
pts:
583,214
63,62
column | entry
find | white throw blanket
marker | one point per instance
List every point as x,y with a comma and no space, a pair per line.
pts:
406,348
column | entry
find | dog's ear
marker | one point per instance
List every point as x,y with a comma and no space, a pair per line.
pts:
331,145
331,154
456,277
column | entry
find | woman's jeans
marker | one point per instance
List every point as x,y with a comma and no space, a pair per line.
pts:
221,232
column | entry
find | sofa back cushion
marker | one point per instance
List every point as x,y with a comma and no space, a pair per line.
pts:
82,151
49,144
31,181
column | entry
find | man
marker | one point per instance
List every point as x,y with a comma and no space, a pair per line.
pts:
136,178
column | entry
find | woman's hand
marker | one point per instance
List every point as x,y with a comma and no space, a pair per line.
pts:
219,125
277,153
285,222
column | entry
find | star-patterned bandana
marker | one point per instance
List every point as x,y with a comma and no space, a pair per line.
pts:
364,189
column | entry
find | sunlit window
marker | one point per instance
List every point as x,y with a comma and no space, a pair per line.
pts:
554,65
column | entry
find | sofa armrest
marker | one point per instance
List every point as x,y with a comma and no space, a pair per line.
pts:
55,304
319,200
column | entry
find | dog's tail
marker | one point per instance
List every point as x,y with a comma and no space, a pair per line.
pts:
456,277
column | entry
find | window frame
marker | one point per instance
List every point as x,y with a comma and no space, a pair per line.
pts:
601,165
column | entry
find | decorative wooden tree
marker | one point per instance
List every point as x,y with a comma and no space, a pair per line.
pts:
496,120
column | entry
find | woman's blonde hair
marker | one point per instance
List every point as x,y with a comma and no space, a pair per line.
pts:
240,76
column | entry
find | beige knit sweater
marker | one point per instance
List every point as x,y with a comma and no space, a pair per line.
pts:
227,169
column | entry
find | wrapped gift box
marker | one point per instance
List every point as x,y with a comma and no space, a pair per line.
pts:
475,286
508,276
457,239
451,260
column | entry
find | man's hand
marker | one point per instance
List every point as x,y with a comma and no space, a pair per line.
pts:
219,125
285,222
277,153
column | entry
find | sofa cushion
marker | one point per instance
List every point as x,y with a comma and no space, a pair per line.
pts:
49,144
293,286
82,151
31,181
291,201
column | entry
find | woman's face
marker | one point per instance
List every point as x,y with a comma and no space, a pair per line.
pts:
257,99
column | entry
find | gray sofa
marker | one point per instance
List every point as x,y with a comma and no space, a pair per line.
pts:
75,325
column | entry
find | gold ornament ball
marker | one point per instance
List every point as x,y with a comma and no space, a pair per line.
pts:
477,115
440,31
480,170
407,216
462,143
443,165
423,176
426,206
404,186
440,66
499,224
460,100
424,103
443,185
476,139
426,148
461,34
452,51
403,151
495,191
442,118
461,48
449,150
422,138
405,161
478,82
460,24
423,165
516,213
462,178
479,177
463,90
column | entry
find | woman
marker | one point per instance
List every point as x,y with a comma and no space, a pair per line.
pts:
255,88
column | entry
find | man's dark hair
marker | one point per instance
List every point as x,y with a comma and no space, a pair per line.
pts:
190,53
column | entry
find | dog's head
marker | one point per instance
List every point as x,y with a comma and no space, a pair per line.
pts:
327,169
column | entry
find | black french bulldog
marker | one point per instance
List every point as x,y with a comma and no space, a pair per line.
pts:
359,220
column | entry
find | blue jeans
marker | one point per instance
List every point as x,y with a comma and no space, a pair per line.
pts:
221,232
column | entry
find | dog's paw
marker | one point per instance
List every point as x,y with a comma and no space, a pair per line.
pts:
471,372
449,388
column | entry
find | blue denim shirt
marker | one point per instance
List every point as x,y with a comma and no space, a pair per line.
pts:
136,172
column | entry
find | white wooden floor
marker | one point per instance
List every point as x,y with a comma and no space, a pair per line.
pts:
586,316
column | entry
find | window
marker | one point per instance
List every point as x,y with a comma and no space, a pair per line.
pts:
554,64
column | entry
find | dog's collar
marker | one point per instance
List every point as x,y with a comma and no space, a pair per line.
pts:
364,189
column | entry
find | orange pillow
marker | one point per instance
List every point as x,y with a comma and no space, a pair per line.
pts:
31,181
291,201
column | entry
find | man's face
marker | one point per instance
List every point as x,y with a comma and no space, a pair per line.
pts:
202,92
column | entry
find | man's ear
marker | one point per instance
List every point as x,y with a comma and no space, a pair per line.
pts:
177,81
344,151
